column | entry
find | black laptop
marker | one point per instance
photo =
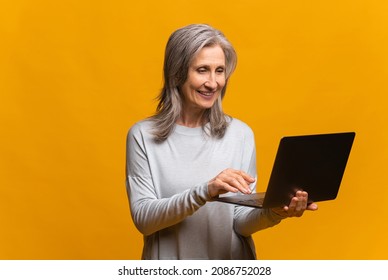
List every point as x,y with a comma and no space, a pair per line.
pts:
312,163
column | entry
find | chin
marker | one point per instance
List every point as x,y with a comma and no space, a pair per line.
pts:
207,105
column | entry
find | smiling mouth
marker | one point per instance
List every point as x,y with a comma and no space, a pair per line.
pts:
206,93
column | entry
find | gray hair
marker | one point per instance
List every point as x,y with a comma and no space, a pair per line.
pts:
182,46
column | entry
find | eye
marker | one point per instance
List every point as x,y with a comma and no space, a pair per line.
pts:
220,70
201,70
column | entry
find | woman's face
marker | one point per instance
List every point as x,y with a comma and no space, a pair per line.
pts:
205,79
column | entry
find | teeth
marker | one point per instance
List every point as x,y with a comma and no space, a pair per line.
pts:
206,93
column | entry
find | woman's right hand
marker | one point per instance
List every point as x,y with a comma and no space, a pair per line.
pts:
230,180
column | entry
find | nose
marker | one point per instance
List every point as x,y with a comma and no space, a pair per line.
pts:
211,82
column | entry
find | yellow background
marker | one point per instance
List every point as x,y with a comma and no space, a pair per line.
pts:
75,75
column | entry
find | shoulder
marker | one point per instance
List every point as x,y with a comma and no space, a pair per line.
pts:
141,129
239,127
239,133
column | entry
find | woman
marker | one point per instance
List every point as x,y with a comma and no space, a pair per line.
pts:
190,152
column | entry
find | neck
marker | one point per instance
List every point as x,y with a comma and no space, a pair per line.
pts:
192,119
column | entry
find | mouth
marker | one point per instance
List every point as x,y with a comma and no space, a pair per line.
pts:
206,93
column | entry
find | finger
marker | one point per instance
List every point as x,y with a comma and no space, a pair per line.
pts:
293,203
248,178
299,204
243,183
238,183
312,207
225,186
235,179
298,210
285,211
302,201
290,209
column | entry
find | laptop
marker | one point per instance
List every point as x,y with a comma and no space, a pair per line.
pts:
312,163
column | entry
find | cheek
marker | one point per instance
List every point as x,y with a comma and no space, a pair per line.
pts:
197,82
191,84
222,82
189,90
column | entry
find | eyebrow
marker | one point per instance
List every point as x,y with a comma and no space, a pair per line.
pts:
208,66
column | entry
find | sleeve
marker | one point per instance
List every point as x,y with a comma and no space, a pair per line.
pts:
248,220
150,213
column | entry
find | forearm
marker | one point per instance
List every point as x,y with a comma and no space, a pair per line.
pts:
151,214
250,220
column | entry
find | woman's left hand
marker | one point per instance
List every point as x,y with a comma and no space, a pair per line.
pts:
297,206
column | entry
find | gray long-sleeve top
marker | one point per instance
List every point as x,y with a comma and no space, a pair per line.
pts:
168,194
